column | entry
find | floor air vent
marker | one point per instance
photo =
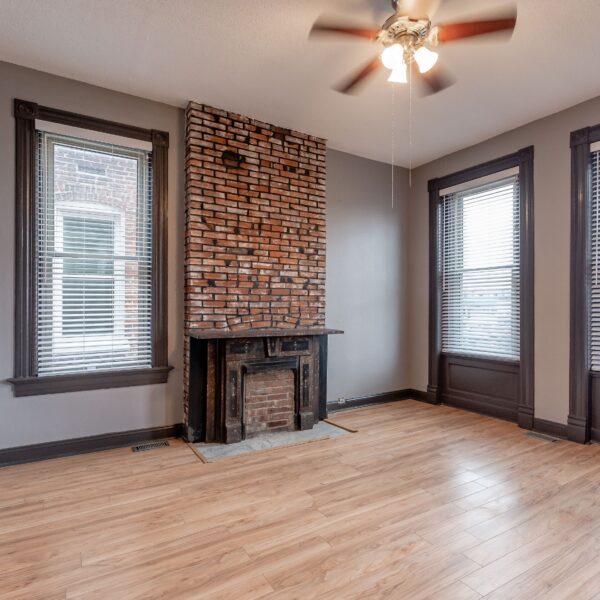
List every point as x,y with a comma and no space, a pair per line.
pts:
150,446
541,436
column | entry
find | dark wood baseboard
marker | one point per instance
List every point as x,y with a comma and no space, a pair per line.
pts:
432,395
577,429
420,395
552,428
481,406
525,417
558,430
405,394
94,443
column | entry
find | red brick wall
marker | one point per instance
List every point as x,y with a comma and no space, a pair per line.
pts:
269,402
255,235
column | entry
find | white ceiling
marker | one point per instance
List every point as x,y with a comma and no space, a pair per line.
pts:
253,57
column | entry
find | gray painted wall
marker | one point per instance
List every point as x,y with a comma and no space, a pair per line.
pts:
550,137
377,267
61,416
366,276
365,286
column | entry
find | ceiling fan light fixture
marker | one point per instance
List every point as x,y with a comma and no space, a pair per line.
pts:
425,58
393,57
407,36
398,75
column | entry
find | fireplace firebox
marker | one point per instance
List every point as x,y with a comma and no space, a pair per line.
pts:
220,363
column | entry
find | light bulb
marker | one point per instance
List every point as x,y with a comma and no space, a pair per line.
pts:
425,59
398,75
393,57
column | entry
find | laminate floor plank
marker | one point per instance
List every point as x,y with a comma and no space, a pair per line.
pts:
423,502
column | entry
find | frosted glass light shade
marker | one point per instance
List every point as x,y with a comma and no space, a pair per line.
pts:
398,75
393,57
425,59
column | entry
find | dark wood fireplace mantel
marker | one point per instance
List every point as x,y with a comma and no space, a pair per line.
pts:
222,334
220,361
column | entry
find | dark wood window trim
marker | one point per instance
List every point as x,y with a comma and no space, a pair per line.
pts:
580,377
25,381
523,159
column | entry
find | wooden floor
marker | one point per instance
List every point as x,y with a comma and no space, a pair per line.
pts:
422,502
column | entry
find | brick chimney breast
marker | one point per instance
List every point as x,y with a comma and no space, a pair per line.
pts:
255,230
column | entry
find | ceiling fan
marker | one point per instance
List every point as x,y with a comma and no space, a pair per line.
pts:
406,38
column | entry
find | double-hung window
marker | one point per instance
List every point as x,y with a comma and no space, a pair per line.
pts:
481,288
90,292
94,256
480,268
584,394
594,262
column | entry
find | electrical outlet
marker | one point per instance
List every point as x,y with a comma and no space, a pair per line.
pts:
341,400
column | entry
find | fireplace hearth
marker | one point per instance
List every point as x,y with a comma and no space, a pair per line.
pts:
221,364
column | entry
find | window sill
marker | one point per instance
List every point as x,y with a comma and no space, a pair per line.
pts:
79,382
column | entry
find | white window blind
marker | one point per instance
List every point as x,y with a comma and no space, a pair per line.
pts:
94,256
479,261
595,260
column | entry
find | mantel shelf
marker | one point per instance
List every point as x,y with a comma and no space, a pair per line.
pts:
217,334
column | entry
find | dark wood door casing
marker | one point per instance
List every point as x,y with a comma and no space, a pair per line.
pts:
502,388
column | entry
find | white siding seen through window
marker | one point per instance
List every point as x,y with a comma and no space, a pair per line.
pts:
94,256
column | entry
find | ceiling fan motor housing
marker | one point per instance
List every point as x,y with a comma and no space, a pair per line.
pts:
411,34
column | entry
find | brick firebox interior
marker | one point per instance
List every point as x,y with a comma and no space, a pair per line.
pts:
255,236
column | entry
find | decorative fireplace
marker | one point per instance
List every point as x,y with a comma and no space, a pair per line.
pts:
255,337
221,365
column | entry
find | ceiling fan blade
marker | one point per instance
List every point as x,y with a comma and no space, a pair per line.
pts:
380,9
350,85
418,9
362,32
434,81
451,32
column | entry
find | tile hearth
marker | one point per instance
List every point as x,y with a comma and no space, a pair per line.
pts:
267,441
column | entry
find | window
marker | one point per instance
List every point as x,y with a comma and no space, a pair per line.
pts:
584,390
479,254
94,256
481,318
594,263
91,306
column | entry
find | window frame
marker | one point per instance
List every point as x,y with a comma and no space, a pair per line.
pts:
458,275
523,369
582,391
26,381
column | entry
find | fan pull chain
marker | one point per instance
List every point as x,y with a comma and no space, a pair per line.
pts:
410,123
393,137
